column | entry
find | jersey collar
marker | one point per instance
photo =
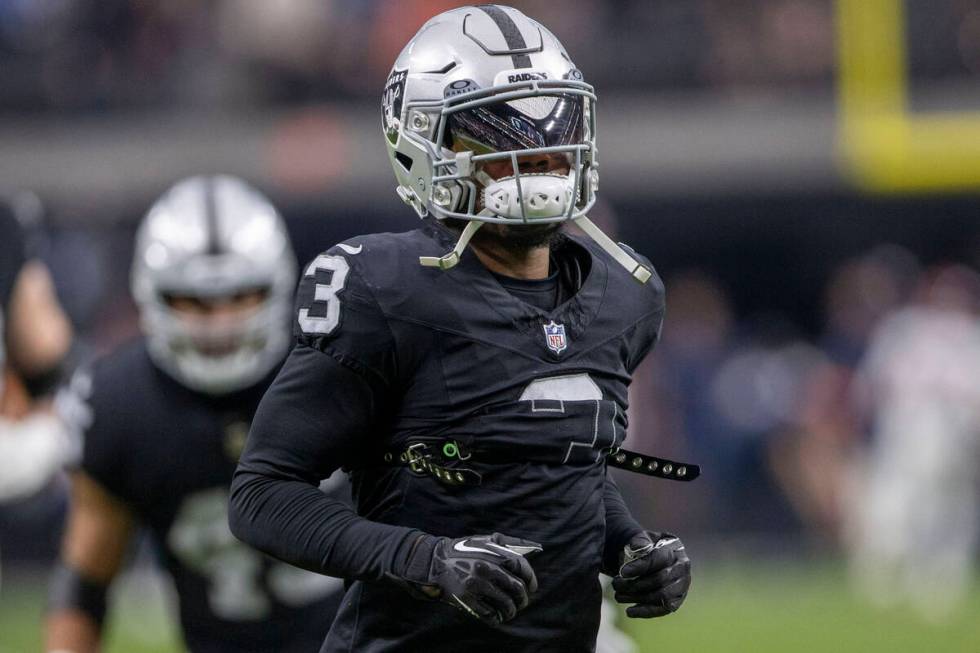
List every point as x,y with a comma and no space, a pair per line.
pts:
576,313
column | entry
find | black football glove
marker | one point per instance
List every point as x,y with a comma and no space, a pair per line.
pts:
655,574
486,576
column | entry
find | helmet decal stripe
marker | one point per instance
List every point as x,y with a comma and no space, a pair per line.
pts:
512,35
211,216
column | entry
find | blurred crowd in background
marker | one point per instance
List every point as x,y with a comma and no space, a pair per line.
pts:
863,439
69,55
94,55
822,367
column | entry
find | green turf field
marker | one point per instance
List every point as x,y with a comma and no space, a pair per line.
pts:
797,609
138,623
731,609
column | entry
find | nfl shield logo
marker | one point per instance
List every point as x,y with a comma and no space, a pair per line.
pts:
554,335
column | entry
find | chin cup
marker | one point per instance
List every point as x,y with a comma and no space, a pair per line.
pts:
529,197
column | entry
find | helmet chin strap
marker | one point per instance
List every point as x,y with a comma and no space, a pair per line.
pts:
452,258
637,270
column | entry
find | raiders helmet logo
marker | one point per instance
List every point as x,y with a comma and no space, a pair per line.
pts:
391,104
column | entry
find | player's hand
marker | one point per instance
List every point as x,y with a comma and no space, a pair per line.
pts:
486,576
655,574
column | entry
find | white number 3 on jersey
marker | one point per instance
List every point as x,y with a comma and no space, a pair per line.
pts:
325,293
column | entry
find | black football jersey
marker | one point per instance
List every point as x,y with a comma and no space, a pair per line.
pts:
391,357
169,453
11,261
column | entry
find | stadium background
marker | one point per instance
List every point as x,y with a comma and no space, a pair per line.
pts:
798,170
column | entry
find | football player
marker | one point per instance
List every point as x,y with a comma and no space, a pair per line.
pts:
163,420
477,396
35,340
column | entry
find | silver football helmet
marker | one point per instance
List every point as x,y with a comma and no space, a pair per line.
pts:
214,238
485,85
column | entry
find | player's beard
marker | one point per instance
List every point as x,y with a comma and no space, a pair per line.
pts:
517,239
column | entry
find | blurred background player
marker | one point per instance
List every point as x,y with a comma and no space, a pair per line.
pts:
916,514
35,339
163,419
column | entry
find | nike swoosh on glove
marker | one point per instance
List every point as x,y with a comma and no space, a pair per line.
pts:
655,575
486,576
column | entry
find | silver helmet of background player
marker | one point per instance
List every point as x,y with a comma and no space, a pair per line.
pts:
488,84
214,238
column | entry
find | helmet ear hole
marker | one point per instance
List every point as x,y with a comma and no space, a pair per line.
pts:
404,160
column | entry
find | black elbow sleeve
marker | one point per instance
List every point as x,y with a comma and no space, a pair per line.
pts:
44,383
71,591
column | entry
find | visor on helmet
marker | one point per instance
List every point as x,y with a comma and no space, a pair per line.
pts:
521,124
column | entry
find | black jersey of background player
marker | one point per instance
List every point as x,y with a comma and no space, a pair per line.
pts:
169,454
532,398
12,257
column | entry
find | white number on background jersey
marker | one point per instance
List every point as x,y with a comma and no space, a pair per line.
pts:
200,539
325,292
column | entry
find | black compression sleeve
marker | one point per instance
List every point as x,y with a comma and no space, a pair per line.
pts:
620,526
46,382
312,420
69,590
